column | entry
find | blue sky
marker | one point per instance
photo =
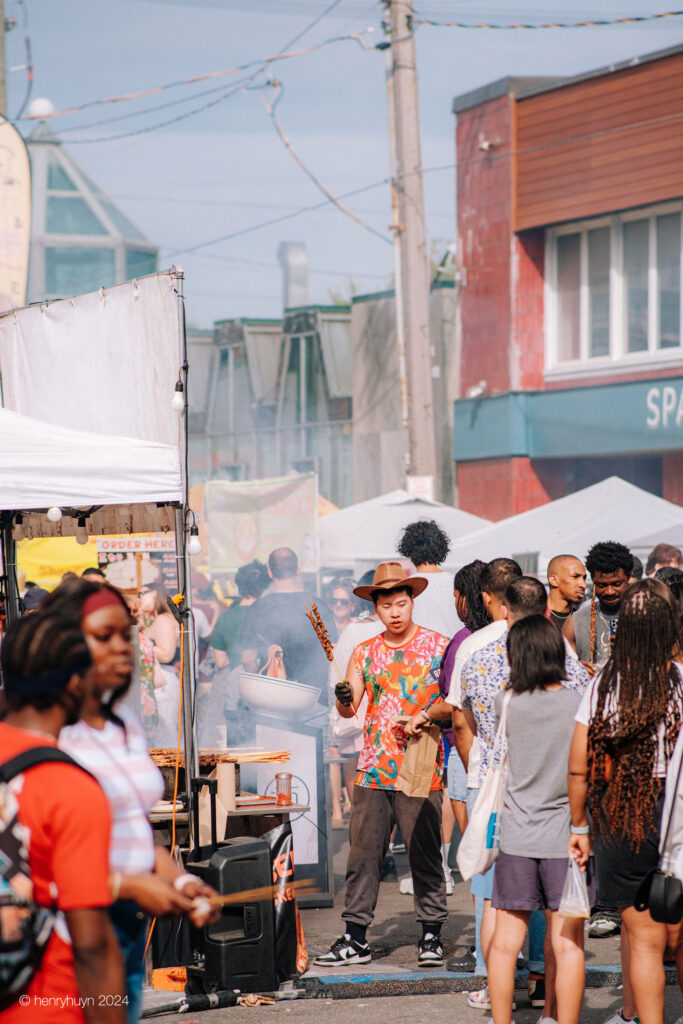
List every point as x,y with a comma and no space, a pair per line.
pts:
225,171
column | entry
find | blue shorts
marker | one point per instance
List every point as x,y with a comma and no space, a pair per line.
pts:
480,885
457,778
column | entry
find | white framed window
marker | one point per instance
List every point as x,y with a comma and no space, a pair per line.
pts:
613,292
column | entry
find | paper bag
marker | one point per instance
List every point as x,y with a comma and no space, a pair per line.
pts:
225,801
419,760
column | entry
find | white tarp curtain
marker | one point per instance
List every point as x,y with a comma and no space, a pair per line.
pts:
43,465
610,510
105,362
367,533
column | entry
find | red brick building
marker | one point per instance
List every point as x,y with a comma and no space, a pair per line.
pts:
570,228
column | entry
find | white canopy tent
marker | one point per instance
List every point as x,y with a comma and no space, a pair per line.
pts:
111,360
642,546
610,510
42,465
360,536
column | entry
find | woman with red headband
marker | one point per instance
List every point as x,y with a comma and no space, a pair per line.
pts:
110,742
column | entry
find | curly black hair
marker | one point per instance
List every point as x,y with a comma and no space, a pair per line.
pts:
609,556
424,543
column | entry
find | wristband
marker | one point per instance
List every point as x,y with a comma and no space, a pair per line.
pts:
115,885
181,881
427,716
579,830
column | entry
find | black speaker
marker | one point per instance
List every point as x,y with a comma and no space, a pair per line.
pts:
239,950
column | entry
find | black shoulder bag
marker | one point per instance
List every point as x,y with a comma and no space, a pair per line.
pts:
660,892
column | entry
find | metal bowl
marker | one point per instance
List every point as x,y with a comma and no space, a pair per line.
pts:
277,696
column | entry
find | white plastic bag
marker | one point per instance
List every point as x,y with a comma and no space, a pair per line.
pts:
479,846
574,901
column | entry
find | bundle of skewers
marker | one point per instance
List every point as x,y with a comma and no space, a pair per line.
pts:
165,757
315,618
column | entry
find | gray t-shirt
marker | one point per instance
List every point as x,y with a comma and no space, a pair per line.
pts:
539,727
605,627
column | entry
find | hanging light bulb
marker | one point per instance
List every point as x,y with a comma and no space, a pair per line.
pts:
19,532
54,514
195,545
178,400
81,531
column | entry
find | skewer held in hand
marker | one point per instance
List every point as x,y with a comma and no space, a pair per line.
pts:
254,895
315,618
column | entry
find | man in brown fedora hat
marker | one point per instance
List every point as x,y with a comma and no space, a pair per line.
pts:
398,671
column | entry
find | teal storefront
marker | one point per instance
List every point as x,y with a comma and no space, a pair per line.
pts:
620,428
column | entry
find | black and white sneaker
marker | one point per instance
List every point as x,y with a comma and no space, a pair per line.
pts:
429,951
345,952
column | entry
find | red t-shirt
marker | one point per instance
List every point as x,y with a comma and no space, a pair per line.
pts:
68,822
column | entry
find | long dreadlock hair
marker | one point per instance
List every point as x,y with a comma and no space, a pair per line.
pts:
639,690
467,583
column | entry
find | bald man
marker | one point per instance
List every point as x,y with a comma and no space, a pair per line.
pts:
567,584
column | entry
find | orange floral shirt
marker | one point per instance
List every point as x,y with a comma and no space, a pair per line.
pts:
398,681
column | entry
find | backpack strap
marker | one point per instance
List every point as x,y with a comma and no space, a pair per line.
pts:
35,756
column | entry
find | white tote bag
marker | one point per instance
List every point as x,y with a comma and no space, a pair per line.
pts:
479,846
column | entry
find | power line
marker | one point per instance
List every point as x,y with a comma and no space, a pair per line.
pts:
270,109
617,129
185,201
242,86
270,265
276,220
304,32
146,110
285,54
586,23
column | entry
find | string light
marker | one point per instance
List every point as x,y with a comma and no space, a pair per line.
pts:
54,514
178,400
195,545
81,530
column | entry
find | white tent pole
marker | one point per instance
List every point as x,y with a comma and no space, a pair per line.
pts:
188,682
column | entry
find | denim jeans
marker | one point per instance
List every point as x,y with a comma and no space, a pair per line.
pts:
536,961
130,925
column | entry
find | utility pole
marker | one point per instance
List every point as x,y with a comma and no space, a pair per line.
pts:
3,63
412,291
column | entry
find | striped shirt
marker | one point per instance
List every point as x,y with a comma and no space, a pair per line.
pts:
131,780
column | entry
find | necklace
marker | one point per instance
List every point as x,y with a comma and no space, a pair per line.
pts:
561,615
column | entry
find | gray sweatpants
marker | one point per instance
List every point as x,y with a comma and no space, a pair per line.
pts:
374,812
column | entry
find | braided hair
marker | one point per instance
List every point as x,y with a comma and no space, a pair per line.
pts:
638,692
35,646
466,583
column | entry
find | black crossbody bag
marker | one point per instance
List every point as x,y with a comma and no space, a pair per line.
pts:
660,892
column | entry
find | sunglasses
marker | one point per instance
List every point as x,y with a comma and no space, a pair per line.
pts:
341,600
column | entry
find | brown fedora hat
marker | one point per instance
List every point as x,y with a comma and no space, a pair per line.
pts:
389,575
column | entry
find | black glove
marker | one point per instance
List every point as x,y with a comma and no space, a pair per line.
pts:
344,693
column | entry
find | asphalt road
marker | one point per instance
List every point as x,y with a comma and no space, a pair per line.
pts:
393,942
599,1004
